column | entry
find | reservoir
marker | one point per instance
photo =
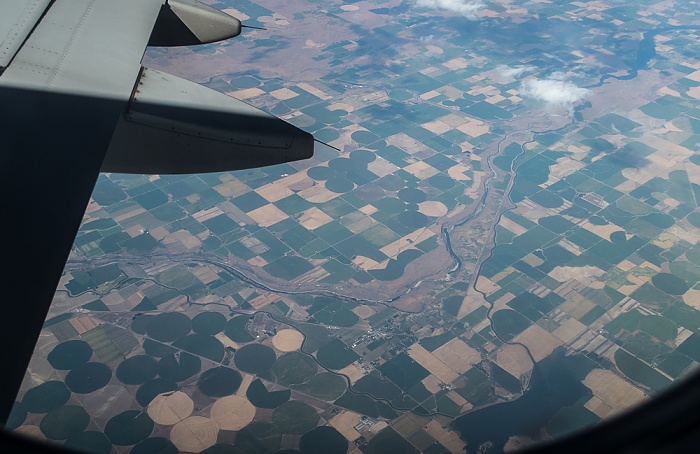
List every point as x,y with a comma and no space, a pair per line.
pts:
555,384
646,51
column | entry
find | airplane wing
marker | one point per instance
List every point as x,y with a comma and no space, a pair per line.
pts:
75,100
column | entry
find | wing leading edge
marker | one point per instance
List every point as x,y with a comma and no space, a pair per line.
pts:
72,90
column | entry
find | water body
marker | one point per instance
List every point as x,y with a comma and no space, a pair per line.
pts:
555,384
646,51
556,381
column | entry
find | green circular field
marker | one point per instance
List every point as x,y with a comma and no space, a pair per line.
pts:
149,390
156,349
255,358
413,219
412,195
94,442
340,185
321,173
293,368
295,417
235,329
88,378
658,326
693,255
136,370
208,323
576,212
259,396
669,283
452,150
341,164
242,82
694,219
129,427
325,386
17,416
179,368
442,182
364,137
390,205
179,277
70,354
257,438
391,182
326,135
202,345
364,156
169,326
323,440
139,324
46,397
157,445
341,317
219,382
369,193
64,422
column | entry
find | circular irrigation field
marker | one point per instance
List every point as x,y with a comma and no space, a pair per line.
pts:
64,422
208,323
168,326
179,368
288,340
170,408
295,417
129,427
88,377
194,434
70,354
293,368
46,397
255,358
137,370
219,382
323,440
232,412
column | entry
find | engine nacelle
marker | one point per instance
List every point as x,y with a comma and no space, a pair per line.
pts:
190,22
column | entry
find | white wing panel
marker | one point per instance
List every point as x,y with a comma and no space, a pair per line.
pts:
91,47
17,18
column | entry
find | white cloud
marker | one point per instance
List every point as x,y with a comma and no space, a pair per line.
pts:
554,90
467,8
517,71
557,75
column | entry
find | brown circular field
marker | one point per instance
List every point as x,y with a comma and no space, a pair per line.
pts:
287,340
170,408
30,431
194,434
232,412
432,208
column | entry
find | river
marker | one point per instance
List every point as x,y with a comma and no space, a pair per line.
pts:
556,380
